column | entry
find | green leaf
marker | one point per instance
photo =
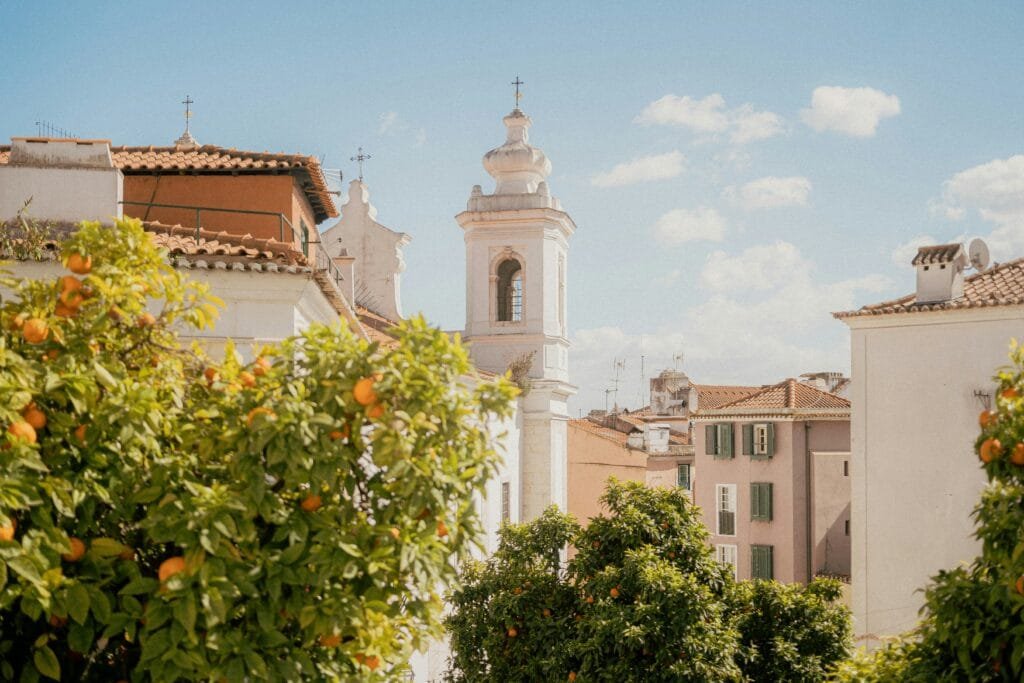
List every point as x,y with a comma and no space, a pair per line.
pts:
46,663
185,612
78,602
80,638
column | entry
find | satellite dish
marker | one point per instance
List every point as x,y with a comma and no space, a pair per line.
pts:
978,253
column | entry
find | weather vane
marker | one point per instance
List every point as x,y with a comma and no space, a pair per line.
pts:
360,157
519,95
188,102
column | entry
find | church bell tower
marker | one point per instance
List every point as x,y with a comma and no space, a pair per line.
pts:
517,243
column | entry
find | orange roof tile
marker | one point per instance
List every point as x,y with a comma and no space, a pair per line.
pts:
599,430
787,397
184,241
710,396
213,159
1001,285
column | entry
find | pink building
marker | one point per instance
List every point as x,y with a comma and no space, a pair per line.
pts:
774,481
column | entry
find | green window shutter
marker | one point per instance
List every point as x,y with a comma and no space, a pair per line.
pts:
748,439
710,434
725,439
762,562
755,562
761,503
683,476
755,500
769,497
771,439
769,562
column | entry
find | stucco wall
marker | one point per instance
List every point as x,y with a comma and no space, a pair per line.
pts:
61,194
592,459
915,476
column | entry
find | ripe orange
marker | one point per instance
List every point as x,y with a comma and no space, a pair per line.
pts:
71,293
1017,456
517,591
333,640
145,320
590,599
1020,585
34,416
614,592
63,311
7,531
170,567
58,622
546,612
512,632
261,366
80,433
572,675
22,431
1010,394
363,392
35,331
338,434
990,450
372,662
80,264
375,411
77,551
259,411
442,529
210,374
247,379
311,503
51,354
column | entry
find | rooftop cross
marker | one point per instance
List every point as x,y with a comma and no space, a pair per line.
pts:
519,95
360,157
188,102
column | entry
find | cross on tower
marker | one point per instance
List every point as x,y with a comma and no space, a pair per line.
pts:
360,157
519,95
188,102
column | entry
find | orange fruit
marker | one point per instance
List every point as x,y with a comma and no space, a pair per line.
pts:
572,675
71,293
145,320
311,503
170,567
590,599
333,640
375,411
77,551
364,393
990,450
22,431
261,366
80,433
128,554
1017,455
34,416
517,591
57,622
19,321
35,331
247,379
210,374
51,354
7,531
1010,394
546,612
614,592
338,434
371,662
512,632
80,264
1020,585
63,311
442,529
259,411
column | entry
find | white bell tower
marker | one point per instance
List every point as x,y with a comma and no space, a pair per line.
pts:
517,243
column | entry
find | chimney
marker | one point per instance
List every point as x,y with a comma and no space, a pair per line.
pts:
345,264
940,273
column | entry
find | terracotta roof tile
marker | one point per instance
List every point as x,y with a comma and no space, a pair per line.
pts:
1001,285
939,253
788,396
710,396
213,159
600,430
184,241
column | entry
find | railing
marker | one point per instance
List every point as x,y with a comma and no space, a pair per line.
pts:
296,236
322,261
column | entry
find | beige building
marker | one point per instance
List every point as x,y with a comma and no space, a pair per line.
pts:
774,481
922,371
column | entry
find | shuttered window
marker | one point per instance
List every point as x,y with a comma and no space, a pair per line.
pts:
726,509
718,440
727,555
761,501
762,562
759,440
684,476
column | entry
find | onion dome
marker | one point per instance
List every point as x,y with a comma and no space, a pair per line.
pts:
518,167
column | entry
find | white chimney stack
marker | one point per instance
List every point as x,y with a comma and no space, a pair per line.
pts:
940,273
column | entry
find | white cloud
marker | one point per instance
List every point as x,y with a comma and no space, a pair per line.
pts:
904,253
389,122
710,115
852,111
642,170
767,315
770,192
994,192
688,225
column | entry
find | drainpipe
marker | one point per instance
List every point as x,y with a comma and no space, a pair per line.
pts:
807,496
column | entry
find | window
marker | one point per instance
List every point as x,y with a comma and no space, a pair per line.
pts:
761,501
847,527
725,495
510,291
684,476
761,562
846,468
305,237
726,554
718,440
759,440
506,503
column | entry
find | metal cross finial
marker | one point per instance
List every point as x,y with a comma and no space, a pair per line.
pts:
360,157
519,95
188,102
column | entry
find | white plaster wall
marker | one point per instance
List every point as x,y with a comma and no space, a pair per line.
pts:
62,194
914,474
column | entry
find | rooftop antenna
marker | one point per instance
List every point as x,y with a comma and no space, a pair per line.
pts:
677,360
519,95
48,130
618,366
360,157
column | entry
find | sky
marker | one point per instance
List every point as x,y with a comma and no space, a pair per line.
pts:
736,171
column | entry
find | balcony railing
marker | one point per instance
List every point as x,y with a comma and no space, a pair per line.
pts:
287,232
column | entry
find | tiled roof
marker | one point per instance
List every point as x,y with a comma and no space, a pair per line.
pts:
710,396
939,253
599,430
1001,285
182,241
787,397
639,418
213,159
377,326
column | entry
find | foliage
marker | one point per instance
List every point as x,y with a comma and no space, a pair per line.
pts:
519,370
314,500
642,600
24,239
971,626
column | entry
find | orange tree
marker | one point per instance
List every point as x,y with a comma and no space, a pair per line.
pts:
642,600
971,627
164,517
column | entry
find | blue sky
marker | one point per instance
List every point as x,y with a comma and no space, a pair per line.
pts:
737,171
